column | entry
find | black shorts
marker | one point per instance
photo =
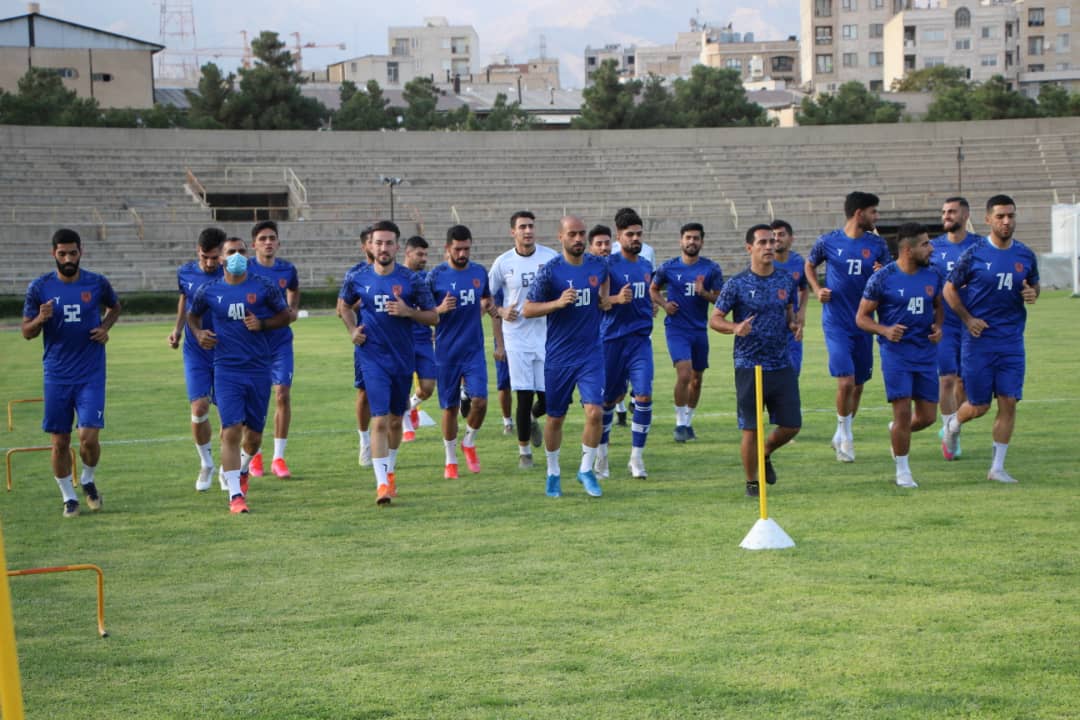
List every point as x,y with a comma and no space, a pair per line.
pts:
780,390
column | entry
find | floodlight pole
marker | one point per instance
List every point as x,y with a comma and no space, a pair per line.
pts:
391,182
960,166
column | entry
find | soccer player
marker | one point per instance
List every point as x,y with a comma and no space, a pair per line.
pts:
462,287
66,305
600,245
906,295
600,241
524,338
851,255
792,262
502,367
693,282
244,309
416,255
363,410
265,240
198,362
760,300
569,291
1001,274
948,247
626,329
648,253
391,298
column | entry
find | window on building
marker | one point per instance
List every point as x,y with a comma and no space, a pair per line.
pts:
392,73
783,64
629,59
401,46
1035,45
101,77
849,32
933,61
909,63
933,34
1008,58
1062,44
1036,68
591,61
822,8
963,18
823,35
877,4
849,5
988,60
877,30
850,60
352,67
64,72
877,86
877,58
733,63
459,46
1062,17
1036,17
823,63
963,44
988,31
1062,66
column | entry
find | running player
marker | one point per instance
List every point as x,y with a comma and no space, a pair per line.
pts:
66,305
198,363
693,282
265,241
792,262
906,295
416,256
502,367
851,255
1000,274
363,411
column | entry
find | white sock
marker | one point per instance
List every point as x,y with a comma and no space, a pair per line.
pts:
680,415
998,462
206,455
245,461
365,438
232,479
451,451
552,462
414,402
847,425
620,407
690,415
382,468
392,459
470,436
946,418
66,488
588,457
954,423
279,448
406,423
637,453
524,450
902,464
508,422
601,450
86,477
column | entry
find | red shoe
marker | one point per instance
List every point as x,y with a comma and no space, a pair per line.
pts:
244,483
414,417
238,506
471,459
382,496
450,472
280,468
408,436
392,481
255,466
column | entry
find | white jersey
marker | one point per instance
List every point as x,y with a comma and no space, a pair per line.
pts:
513,274
647,252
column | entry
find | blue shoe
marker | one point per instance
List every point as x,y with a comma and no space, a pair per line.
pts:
680,434
690,434
588,479
554,487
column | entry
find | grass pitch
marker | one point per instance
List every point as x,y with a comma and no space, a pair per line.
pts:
481,598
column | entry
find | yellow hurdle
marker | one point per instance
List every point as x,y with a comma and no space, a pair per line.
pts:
74,568
11,702
11,406
40,448
759,400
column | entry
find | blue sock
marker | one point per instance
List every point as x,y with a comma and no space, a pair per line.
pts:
608,418
639,429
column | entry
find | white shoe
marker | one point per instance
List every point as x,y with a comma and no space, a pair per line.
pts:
365,456
205,479
600,466
508,429
846,451
1001,476
905,480
221,479
637,469
950,443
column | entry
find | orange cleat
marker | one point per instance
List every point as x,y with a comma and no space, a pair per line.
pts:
244,483
237,505
471,459
382,496
255,466
391,480
280,468
450,472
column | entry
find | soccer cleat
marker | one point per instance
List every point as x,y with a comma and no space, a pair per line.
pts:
280,469
466,404
391,480
845,450
554,486
382,495
536,433
93,497
255,466
770,473
600,465
690,434
620,418
752,490
1000,476
950,443
904,480
680,434
221,479
71,508
365,455
588,479
470,458
244,482
238,505
637,469
450,471
508,428
408,436
525,462
414,417
205,479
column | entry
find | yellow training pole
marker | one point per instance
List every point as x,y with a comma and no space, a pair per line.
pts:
11,705
759,402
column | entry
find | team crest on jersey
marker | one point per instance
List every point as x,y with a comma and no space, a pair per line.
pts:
594,281
86,297
395,290
281,283
648,278
795,274
866,253
782,294
476,283
930,291
1019,267
251,297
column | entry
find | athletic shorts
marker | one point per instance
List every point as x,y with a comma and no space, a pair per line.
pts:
65,400
694,348
358,372
471,371
988,373
387,393
795,354
780,390
588,375
526,370
198,376
850,354
424,360
281,363
502,375
948,351
902,380
242,398
627,359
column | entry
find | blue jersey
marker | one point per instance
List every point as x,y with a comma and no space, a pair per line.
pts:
767,298
345,278
283,275
795,266
189,278
422,334
635,317
994,279
460,333
849,263
680,279
239,348
946,253
573,332
71,357
907,300
389,337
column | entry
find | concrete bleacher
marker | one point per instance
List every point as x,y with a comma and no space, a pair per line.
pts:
124,190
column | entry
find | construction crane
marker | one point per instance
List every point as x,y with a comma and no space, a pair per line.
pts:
297,50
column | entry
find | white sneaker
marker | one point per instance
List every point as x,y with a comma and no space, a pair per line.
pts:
637,469
600,466
221,479
950,443
846,451
1001,476
205,479
905,480
508,429
365,456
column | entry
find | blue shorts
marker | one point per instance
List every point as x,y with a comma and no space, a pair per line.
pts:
387,393
281,363
795,353
850,354
902,380
63,401
424,361
358,372
988,373
780,396
502,375
694,348
629,358
198,376
588,375
242,398
948,350
474,373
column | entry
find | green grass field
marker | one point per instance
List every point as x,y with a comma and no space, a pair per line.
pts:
481,598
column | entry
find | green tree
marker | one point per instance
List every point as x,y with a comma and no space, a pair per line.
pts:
506,116
1054,101
421,102
209,102
852,104
363,110
995,100
950,104
42,99
159,116
931,79
656,108
608,104
269,95
715,97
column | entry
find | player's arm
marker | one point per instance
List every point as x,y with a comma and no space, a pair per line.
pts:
101,332
864,319
822,293
206,338
500,343
804,296
32,324
720,323
974,325
178,326
939,319
710,296
656,292
292,298
1030,293
278,320
534,309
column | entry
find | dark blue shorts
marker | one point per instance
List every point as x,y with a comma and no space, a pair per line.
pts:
795,353
63,401
780,389
948,351
281,363
424,361
694,348
850,354
387,391
628,359
242,398
473,372
902,380
588,375
988,373
502,375
358,372
198,376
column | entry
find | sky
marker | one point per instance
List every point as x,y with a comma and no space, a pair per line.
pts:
511,28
